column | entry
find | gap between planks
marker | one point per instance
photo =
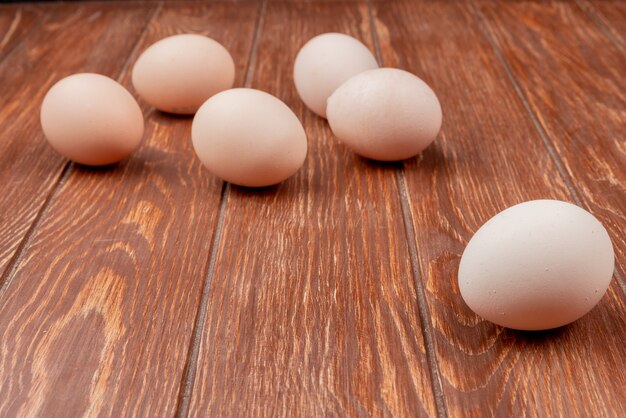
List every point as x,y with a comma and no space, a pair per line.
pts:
9,272
420,294
11,268
189,374
600,21
554,156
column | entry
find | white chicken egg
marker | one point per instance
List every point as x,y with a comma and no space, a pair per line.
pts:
537,265
248,137
324,63
179,73
385,114
91,119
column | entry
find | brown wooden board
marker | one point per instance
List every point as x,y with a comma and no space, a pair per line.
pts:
71,38
610,16
151,289
489,156
16,21
312,307
98,317
580,112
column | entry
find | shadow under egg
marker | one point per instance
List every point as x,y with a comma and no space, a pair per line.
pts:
263,191
539,337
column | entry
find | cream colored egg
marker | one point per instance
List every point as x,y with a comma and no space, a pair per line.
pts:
537,265
91,119
179,73
324,63
248,137
385,114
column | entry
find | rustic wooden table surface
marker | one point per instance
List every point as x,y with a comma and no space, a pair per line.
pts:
153,289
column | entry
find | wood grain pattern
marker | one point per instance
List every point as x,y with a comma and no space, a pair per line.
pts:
150,288
312,308
590,88
69,39
488,370
98,317
15,23
610,16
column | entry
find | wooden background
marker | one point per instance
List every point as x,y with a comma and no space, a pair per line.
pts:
151,288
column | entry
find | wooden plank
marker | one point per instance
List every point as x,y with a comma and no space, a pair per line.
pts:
610,15
16,22
98,317
312,308
70,38
582,112
489,156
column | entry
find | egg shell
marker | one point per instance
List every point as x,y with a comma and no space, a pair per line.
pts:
91,119
537,265
385,114
179,73
324,63
249,138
